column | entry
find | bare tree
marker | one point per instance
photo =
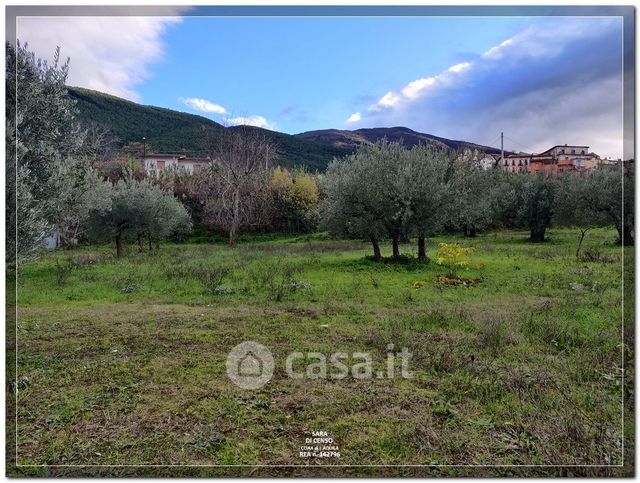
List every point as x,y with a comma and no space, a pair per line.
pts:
241,153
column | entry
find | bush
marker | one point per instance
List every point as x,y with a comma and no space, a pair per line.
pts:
454,257
63,270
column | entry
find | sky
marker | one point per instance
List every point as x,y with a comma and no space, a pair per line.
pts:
541,80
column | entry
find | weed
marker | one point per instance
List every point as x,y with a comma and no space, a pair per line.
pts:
211,276
62,270
127,283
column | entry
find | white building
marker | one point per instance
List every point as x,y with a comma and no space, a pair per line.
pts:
159,162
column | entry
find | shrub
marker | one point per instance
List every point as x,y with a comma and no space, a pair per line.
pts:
277,278
63,270
454,257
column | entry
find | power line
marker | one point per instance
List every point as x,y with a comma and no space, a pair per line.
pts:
527,148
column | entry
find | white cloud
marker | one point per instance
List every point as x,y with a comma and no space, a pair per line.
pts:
497,51
419,87
557,81
203,105
459,67
355,117
414,88
253,120
390,99
111,54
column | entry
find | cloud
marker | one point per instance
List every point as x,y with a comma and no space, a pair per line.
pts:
557,81
110,53
355,117
459,67
390,99
254,120
203,105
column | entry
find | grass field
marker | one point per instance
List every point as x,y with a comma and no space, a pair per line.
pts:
122,361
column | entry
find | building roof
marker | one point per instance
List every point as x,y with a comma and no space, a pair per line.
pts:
178,157
563,146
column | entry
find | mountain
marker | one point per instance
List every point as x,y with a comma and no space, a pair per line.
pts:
351,139
168,131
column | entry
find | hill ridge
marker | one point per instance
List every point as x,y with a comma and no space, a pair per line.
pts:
171,131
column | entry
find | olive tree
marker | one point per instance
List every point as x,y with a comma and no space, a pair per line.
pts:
41,133
138,208
609,191
351,205
473,190
536,203
571,209
425,191
80,190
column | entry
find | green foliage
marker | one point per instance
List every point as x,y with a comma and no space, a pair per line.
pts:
138,209
474,196
610,192
386,189
41,133
536,203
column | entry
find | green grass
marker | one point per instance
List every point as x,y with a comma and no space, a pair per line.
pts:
122,361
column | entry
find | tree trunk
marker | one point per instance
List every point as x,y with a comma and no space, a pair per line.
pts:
626,236
149,240
396,248
422,252
469,231
140,247
376,248
118,246
235,219
583,233
537,234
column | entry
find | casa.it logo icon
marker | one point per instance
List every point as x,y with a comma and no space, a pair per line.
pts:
250,365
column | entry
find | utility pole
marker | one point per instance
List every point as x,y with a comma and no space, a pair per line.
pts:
144,147
502,147
266,162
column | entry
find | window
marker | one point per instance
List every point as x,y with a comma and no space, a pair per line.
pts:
160,165
573,151
562,151
584,152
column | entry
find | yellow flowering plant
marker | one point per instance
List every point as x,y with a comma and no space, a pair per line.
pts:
453,256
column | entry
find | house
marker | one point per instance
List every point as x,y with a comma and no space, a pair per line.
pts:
160,162
516,163
558,159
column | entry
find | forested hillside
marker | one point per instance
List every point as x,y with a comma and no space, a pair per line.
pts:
171,131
